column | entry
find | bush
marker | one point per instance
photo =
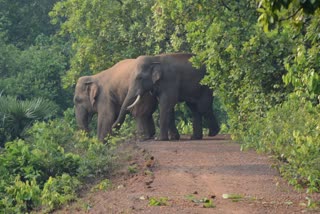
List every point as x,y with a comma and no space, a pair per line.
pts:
58,191
21,196
46,169
290,132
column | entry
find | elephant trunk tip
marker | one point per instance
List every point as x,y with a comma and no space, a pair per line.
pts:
116,124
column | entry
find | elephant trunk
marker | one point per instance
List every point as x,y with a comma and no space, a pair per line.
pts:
83,118
127,105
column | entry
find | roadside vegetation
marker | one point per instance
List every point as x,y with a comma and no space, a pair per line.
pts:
262,59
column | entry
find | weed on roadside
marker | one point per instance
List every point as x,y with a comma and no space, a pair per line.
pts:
133,169
206,203
162,201
103,185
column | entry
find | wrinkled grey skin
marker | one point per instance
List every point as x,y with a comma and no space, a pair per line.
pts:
104,94
173,79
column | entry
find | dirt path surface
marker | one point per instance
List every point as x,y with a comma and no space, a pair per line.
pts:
183,174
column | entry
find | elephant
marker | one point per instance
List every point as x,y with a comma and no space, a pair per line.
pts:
173,79
104,93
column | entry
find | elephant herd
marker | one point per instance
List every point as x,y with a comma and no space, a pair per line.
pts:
139,86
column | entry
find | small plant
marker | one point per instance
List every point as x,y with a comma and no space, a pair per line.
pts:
312,204
103,185
206,203
148,172
162,201
133,169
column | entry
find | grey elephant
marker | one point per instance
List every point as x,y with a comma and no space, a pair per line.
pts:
104,93
173,79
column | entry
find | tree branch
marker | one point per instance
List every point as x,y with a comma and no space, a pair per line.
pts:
225,5
292,15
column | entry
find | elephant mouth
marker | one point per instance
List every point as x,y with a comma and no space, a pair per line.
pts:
134,103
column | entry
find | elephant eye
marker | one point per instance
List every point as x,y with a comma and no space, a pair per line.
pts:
77,99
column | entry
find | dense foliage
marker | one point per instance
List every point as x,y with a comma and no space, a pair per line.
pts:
24,21
290,132
35,71
103,32
46,169
262,58
254,72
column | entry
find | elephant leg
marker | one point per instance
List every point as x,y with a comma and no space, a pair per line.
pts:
205,107
104,125
196,122
166,108
106,117
140,127
150,127
173,131
146,127
164,124
213,123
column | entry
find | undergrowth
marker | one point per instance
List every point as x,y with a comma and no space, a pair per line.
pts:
50,165
291,133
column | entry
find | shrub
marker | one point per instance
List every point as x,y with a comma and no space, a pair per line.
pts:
58,191
290,132
21,196
45,169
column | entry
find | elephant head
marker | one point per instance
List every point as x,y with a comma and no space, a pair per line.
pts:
85,101
146,74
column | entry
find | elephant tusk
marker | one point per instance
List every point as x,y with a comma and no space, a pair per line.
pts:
135,102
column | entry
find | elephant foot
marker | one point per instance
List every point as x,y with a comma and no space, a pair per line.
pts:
214,132
196,137
144,138
161,139
175,136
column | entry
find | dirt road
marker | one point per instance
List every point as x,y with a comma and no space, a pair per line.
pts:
187,175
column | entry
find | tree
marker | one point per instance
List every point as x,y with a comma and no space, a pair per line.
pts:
277,11
245,66
35,72
303,64
103,32
23,21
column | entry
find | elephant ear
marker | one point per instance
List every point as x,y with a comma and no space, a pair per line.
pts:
156,72
92,92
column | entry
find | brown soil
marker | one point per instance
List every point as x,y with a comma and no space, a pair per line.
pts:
183,173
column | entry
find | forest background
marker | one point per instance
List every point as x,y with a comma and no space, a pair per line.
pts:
263,63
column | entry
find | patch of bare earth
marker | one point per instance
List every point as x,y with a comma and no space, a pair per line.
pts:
185,172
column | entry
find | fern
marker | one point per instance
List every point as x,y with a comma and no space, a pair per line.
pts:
17,115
